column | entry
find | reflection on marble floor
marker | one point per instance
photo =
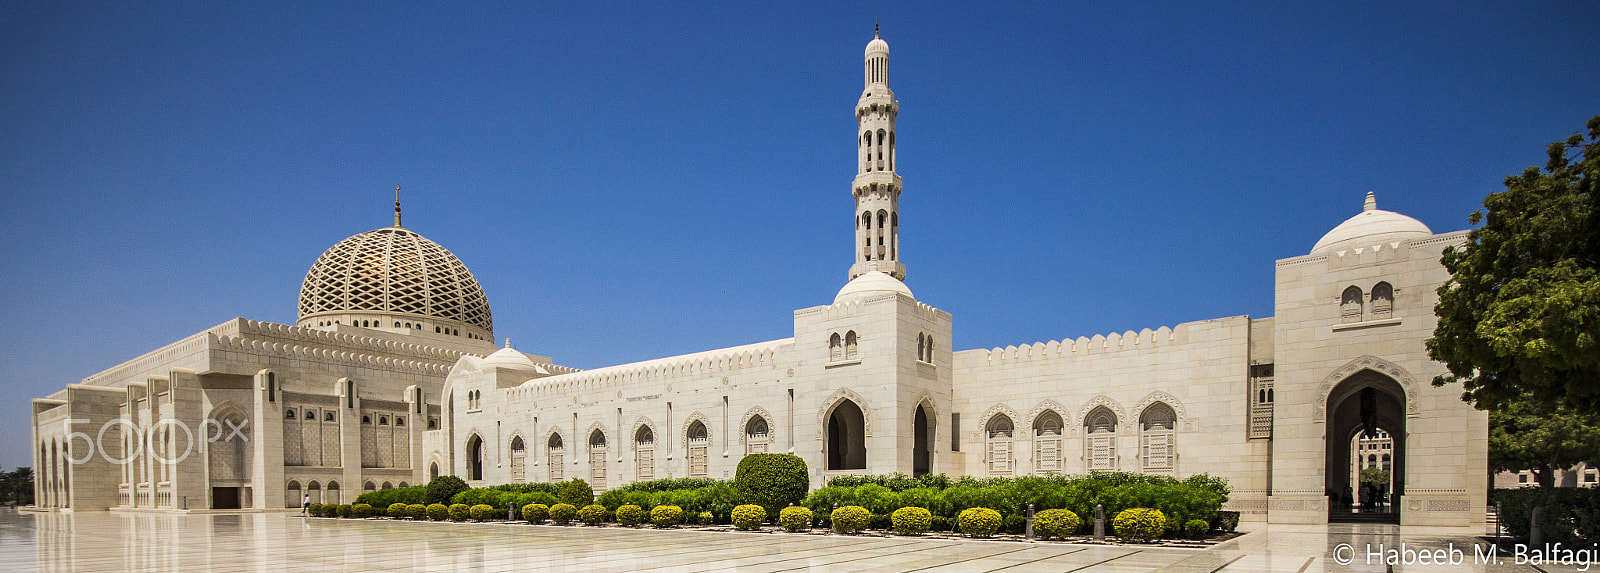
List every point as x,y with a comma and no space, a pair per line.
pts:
101,541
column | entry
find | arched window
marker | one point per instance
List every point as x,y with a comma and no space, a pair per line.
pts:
1350,305
314,491
369,486
850,345
291,494
757,436
1382,300
1100,440
835,348
644,453
891,151
386,485
474,457
310,415
921,354
556,455
894,236
433,470
366,419
699,441
1047,430
997,444
288,414
519,460
1157,446
597,459
332,493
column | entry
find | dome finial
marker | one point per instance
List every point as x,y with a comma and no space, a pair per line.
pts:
1371,204
508,342
396,206
875,26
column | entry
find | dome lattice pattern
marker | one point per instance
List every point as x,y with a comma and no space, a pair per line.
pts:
393,270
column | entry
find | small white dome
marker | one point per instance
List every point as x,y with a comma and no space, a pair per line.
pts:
1372,226
871,283
877,46
510,359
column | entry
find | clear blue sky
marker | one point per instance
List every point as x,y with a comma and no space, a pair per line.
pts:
635,182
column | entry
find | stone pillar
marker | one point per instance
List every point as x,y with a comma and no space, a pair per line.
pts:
266,431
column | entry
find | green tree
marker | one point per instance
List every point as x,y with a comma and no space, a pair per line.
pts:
443,488
1524,435
16,486
1375,475
1520,315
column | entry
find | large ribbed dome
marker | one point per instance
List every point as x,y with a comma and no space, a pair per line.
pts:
1372,226
394,271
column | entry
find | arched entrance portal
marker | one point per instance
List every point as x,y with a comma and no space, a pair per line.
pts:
847,440
475,458
919,447
1366,411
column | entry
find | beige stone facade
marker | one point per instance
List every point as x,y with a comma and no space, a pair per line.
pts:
867,384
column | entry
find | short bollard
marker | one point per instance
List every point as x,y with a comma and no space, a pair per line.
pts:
1030,522
1099,522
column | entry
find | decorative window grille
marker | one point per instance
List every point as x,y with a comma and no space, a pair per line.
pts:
597,460
644,454
756,436
519,461
1100,442
835,348
699,442
555,454
850,345
998,448
1047,443
292,452
1350,305
1261,399
1382,301
1156,438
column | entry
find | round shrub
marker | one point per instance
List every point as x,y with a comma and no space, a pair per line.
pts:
1055,523
630,515
705,518
979,521
1139,524
346,510
576,493
536,512
850,519
481,512
399,510
314,510
438,512
592,514
749,516
666,516
772,481
361,511
563,513
1196,528
911,520
417,511
795,518
460,511
443,488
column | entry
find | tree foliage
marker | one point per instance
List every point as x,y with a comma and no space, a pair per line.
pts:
1520,316
16,486
1524,435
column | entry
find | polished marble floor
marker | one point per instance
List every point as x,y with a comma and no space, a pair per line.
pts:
102,541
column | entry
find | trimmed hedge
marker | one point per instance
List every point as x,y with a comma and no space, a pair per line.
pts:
1571,514
979,521
795,519
391,496
1139,524
772,481
482,512
346,510
705,518
460,511
438,511
850,519
592,514
1195,528
749,516
563,513
535,513
1055,523
417,511
398,510
630,515
1227,521
911,520
576,493
444,488
666,516
361,511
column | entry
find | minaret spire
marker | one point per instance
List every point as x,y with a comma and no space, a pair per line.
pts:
877,186
397,206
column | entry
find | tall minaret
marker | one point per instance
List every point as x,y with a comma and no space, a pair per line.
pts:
877,187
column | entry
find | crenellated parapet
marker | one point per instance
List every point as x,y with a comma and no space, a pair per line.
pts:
1099,344
699,365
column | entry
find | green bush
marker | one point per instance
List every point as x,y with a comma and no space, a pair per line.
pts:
482,512
314,509
795,519
460,511
979,521
940,523
1139,524
391,496
535,513
444,488
1055,523
1227,521
592,514
749,516
772,481
361,511
536,497
479,496
630,515
895,481
705,518
879,521
417,511
667,484
524,488
1571,515
346,510
850,519
576,493
438,512
911,520
1196,528
666,516
563,513
398,510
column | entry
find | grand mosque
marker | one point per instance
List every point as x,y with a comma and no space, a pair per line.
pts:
391,376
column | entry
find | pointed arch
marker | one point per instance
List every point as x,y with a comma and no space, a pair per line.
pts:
1158,423
1365,362
555,453
833,401
1100,400
753,412
1047,430
519,457
643,440
643,422
1182,416
697,444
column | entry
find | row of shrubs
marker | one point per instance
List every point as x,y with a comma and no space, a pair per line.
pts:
1571,514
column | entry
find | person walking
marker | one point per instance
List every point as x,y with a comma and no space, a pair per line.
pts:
305,505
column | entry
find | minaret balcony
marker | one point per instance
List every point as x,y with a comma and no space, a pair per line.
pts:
879,178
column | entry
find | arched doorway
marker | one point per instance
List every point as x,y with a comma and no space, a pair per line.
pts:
474,457
847,440
919,447
1365,409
